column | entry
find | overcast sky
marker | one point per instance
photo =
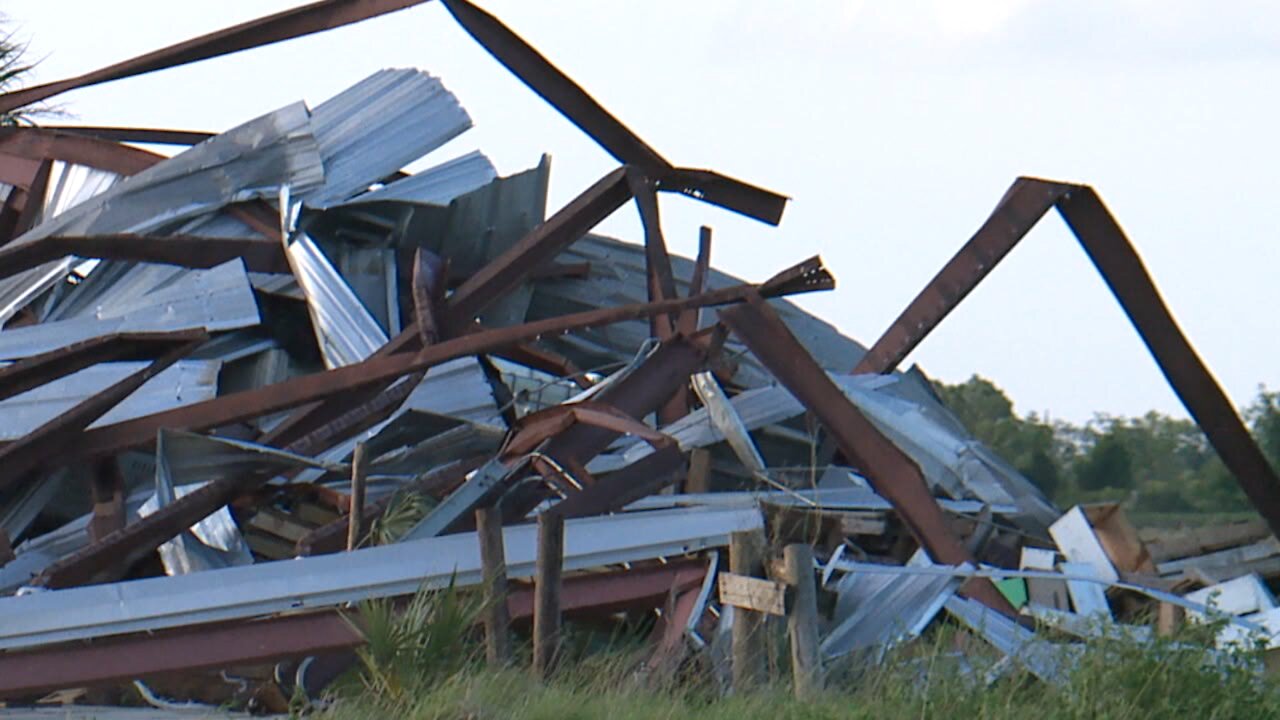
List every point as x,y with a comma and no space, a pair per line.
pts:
895,126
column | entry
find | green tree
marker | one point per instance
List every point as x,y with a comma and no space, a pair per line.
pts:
1108,464
1029,445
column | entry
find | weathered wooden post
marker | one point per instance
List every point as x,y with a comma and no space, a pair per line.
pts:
493,563
355,523
1169,618
802,621
546,593
746,557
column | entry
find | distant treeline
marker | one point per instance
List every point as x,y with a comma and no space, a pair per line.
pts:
1154,463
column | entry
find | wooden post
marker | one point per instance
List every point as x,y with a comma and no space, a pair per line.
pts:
802,623
746,557
355,522
546,593
699,478
493,562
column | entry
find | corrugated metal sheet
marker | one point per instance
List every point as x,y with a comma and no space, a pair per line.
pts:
437,185
378,126
875,610
248,162
345,331
186,382
946,453
216,299
618,276
389,570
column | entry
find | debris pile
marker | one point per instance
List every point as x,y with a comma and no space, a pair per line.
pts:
251,385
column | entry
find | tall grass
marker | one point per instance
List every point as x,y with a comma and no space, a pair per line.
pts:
424,662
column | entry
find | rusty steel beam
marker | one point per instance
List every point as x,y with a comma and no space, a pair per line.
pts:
608,592
616,490
294,392
35,199
108,560
660,281
296,22
638,394
554,86
619,141
212,646
548,361
1019,210
17,170
890,472
498,277
191,251
49,443
536,249
267,640
1113,254
41,144
1118,262
708,186
429,279
153,136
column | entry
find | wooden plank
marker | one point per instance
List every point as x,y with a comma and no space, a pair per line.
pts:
1167,544
750,593
274,522
1078,543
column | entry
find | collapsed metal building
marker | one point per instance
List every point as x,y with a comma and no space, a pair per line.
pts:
195,346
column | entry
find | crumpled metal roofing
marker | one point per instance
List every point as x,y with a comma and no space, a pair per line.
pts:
186,382
376,127
216,299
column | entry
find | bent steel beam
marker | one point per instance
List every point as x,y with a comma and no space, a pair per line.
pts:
889,471
1117,261
296,22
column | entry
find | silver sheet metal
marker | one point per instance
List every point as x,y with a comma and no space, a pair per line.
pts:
183,383
951,459
345,330
853,498
879,610
727,422
1048,661
214,542
437,185
219,298
248,162
390,570
376,127
618,276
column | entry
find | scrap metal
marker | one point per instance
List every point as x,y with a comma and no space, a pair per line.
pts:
1117,261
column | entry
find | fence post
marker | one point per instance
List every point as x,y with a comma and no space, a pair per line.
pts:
493,562
355,522
746,557
546,593
802,621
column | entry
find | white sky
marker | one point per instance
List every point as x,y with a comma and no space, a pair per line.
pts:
895,126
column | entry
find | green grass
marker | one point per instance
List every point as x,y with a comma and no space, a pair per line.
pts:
421,666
